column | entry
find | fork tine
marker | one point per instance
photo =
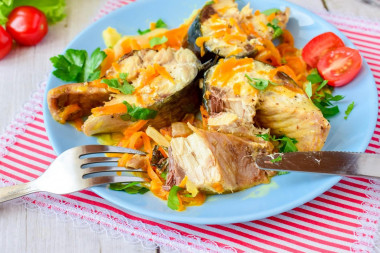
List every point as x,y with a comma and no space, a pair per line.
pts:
93,149
98,169
112,179
102,159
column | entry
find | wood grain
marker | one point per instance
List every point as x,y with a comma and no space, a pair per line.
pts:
23,230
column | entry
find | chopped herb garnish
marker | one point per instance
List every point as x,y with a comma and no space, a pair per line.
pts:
277,30
277,159
164,175
309,89
159,24
173,201
349,109
136,113
209,3
270,11
314,76
279,173
323,84
142,32
157,41
123,86
324,103
258,83
131,188
286,144
75,65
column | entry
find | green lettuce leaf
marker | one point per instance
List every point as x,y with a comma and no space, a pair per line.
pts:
53,9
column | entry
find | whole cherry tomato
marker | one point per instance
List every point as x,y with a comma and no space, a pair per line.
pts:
340,66
5,42
27,25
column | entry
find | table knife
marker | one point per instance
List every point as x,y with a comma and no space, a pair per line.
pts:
324,162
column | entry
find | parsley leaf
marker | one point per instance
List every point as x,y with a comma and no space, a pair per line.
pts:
324,103
209,3
157,41
309,89
258,83
277,30
277,159
161,24
323,84
173,201
142,32
270,11
349,109
123,86
314,76
286,144
136,113
75,65
279,173
131,188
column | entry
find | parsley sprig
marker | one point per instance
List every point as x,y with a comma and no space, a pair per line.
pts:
120,84
131,188
325,103
277,30
135,113
75,65
349,109
157,41
286,144
159,24
173,201
259,83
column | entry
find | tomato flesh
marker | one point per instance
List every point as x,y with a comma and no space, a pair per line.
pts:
320,46
340,66
27,25
5,42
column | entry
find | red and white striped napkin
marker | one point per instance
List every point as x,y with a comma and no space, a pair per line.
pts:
345,218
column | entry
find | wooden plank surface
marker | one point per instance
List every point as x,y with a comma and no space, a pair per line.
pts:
23,230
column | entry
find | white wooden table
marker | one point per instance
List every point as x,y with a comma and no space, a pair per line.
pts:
22,230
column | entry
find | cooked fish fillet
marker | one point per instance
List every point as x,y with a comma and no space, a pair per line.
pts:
82,95
172,94
216,162
283,107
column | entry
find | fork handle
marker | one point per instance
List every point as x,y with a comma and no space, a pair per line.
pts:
18,190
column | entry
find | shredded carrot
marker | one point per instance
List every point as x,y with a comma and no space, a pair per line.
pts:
148,75
287,37
183,182
200,41
147,145
135,127
107,62
270,54
181,206
166,131
271,17
189,117
226,69
124,159
152,26
163,72
162,151
284,69
78,123
257,12
218,187
109,109
204,116
68,111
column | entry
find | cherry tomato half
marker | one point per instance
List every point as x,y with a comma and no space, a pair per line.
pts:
340,66
5,42
27,25
320,46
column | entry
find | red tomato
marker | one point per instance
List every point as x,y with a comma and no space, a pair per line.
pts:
5,42
320,46
340,66
27,25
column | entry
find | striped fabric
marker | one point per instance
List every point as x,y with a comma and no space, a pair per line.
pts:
343,219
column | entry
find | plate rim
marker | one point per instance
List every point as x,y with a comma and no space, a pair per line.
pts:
327,183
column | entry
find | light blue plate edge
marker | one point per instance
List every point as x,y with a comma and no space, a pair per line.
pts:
327,184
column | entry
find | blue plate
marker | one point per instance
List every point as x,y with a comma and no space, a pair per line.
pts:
285,192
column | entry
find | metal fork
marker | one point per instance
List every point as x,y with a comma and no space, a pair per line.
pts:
67,173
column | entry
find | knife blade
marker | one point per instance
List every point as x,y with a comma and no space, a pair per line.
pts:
325,162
